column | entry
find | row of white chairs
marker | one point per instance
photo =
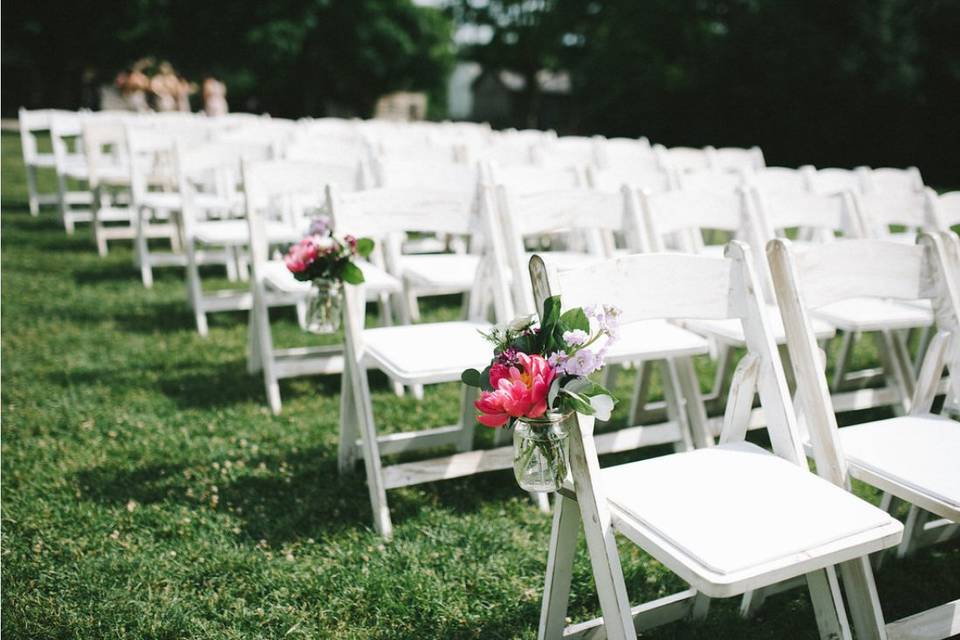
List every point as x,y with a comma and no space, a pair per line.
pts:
608,246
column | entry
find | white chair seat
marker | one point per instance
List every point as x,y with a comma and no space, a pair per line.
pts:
653,340
873,314
376,280
115,214
237,232
427,353
730,331
172,201
914,457
708,507
440,272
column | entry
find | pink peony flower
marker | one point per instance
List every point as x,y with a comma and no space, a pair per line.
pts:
518,392
301,255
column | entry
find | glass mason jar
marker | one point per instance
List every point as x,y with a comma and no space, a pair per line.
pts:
541,452
324,306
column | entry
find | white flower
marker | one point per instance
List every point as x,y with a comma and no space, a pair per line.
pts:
521,322
602,406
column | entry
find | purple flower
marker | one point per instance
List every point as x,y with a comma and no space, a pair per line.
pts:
582,363
575,338
320,226
509,357
607,318
557,360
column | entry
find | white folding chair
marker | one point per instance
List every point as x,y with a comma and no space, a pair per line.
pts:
32,124
66,138
211,222
890,180
417,354
689,214
680,159
882,319
652,342
108,177
447,267
912,457
270,189
765,518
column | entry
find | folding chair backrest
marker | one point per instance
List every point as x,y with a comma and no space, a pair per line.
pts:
64,126
881,210
104,147
782,180
404,174
629,153
582,212
832,180
946,208
568,151
892,181
684,158
828,273
738,159
710,180
350,147
780,210
687,210
683,286
533,179
651,180
382,211
31,123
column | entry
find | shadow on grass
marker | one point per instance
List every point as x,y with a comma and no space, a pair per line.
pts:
309,501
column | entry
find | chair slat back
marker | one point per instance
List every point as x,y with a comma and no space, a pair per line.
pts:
779,210
891,180
531,178
833,180
880,210
862,268
677,286
946,208
780,180
710,180
383,211
683,158
682,210
738,159
628,153
651,180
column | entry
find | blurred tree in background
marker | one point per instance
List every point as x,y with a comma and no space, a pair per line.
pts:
828,82
825,82
286,57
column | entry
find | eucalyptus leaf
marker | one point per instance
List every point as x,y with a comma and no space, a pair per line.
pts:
470,377
364,246
352,274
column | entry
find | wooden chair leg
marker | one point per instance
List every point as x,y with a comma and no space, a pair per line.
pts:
828,608
33,196
349,432
693,402
674,402
195,290
556,588
846,346
912,530
893,372
264,343
862,599
641,392
142,253
468,420
254,359
371,452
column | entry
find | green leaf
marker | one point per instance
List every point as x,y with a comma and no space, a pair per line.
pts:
364,246
352,274
577,402
470,377
551,313
575,319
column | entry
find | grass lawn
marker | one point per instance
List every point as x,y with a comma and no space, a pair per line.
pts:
149,493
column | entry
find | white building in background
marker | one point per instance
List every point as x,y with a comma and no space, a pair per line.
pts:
460,90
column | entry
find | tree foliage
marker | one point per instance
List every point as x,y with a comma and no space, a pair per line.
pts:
288,57
832,83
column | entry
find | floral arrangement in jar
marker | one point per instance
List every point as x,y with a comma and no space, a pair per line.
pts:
326,261
538,377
